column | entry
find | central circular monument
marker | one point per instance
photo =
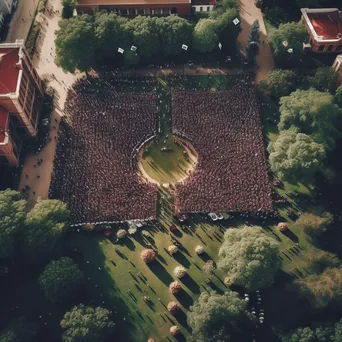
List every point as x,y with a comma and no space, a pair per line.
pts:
167,159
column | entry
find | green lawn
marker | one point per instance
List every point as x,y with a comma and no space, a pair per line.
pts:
124,279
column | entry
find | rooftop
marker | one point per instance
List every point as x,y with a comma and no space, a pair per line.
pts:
325,24
203,2
128,2
9,72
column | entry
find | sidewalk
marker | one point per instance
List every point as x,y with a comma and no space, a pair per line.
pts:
22,20
249,13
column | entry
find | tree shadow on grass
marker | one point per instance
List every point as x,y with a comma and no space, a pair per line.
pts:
180,338
292,236
159,270
181,319
179,257
184,298
129,244
190,284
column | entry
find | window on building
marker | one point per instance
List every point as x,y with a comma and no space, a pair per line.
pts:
147,10
208,8
132,11
201,9
173,10
165,11
321,48
338,48
157,11
140,11
330,47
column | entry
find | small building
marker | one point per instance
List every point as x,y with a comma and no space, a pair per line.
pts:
324,26
6,6
21,100
136,7
338,67
202,5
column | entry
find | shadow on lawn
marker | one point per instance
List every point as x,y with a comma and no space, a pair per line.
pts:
179,257
158,269
190,284
184,298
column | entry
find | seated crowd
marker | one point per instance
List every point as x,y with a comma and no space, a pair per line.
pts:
94,171
225,129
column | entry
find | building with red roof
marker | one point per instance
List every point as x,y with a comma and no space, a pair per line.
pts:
21,99
324,26
145,7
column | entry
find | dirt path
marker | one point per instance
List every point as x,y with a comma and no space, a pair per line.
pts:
249,13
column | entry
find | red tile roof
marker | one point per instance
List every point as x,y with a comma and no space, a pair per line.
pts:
8,71
326,24
3,124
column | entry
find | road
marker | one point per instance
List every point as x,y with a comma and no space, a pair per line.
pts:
22,19
249,13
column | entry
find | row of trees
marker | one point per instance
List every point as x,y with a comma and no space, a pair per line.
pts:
308,130
87,40
35,234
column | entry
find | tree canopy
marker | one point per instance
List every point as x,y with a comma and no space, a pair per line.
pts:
45,225
252,48
321,289
19,330
68,9
288,36
249,257
331,332
61,279
314,225
295,156
205,38
75,43
338,96
312,112
86,324
12,217
279,82
325,79
219,318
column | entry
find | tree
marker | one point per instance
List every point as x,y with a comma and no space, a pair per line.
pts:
249,257
12,217
61,279
219,318
315,225
86,324
226,30
75,43
205,38
288,36
252,48
328,332
145,35
315,261
19,330
131,58
295,157
321,289
325,79
110,34
45,225
279,82
338,96
68,9
209,267
313,113
173,32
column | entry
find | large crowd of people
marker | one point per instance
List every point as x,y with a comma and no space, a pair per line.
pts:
226,130
93,172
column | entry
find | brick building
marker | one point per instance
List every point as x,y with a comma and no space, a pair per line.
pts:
21,99
324,26
338,67
141,7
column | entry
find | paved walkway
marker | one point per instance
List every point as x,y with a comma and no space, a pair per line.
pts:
22,20
249,13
